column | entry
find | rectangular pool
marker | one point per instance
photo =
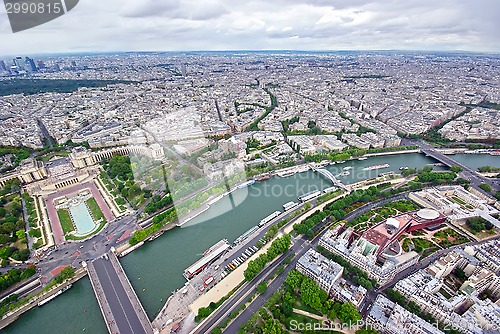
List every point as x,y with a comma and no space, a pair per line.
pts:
82,218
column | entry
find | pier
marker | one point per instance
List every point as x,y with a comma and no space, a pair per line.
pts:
120,307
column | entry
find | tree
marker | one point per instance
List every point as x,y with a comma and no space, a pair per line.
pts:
21,255
476,224
28,272
66,273
294,279
287,304
348,314
35,232
427,168
125,192
21,234
459,273
4,239
456,169
273,327
310,293
332,315
262,287
485,187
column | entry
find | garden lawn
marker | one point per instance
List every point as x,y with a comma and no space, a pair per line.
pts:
95,209
65,220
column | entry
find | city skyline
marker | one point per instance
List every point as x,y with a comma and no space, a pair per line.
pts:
366,179
255,25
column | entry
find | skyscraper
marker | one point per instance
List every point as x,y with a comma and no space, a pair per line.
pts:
30,64
18,63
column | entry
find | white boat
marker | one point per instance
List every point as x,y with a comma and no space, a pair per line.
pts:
46,300
329,190
289,205
362,158
345,173
347,168
286,174
377,167
308,196
246,184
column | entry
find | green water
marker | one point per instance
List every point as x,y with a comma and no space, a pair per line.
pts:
159,264
477,160
64,314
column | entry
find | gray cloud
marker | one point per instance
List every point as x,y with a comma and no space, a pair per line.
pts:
281,24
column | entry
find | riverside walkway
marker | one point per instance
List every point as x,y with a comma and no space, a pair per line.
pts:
122,311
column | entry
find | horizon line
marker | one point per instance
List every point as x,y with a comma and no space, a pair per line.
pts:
424,51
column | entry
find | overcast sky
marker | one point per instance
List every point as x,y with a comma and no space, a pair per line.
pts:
128,25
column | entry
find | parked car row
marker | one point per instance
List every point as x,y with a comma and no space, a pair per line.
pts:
239,260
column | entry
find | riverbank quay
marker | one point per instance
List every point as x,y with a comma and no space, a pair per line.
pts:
32,302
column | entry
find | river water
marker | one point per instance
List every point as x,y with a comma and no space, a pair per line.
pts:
155,269
477,160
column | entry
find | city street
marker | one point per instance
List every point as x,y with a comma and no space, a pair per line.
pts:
73,253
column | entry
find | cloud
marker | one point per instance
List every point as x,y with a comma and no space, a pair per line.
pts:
281,24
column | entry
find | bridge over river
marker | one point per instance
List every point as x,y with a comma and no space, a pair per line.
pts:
327,174
474,177
122,311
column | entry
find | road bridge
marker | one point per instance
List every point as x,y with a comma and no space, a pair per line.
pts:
122,310
474,177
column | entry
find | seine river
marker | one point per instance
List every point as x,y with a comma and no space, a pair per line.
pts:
155,269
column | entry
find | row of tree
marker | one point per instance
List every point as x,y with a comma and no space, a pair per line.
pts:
158,203
158,222
488,169
279,246
353,153
436,176
305,227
